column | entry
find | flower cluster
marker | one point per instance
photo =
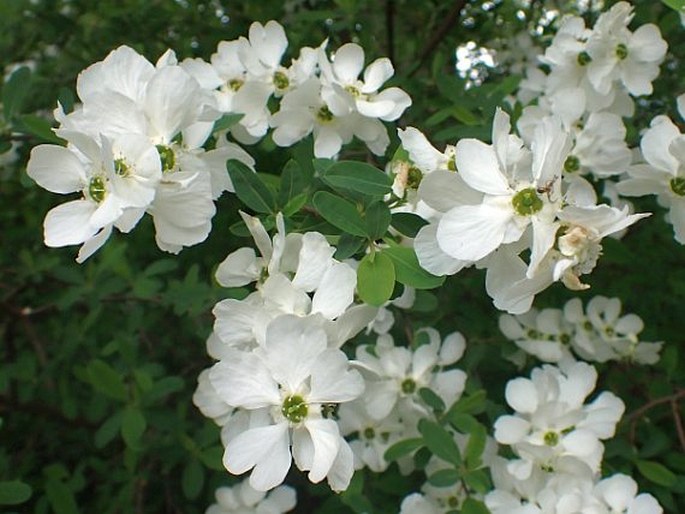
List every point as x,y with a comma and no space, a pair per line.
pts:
524,194
556,438
280,373
599,333
151,138
317,94
391,407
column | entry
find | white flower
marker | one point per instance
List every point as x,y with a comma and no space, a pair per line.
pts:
117,179
619,493
552,424
663,147
617,54
344,93
294,375
516,193
397,373
244,499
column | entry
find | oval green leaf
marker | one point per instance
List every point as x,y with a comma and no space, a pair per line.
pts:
340,213
358,177
375,279
409,271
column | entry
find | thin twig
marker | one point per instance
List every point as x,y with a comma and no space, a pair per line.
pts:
675,408
635,416
390,28
448,22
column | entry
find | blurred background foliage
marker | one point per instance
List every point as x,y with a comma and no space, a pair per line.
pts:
99,361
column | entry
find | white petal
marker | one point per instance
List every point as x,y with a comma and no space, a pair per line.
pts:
479,167
430,255
244,381
56,169
293,347
326,441
522,395
376,74
470,232
69,223
510,429
348,62
264,448
336,291
93,244
239,268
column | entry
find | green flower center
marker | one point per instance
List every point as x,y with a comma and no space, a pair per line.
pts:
565,338
294,408
526,202
167,157
369,433
281,81
121,168
353,91
551,438
97,189
408,386
587,326
621,51
678,185
414,177
324,115
584,58
453,502
571,164
235,84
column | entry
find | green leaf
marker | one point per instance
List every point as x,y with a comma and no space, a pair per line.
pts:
132,426
250,189
678,5
463,422
358,177
657,473
14,492
444,477
474,448
375,279
106,380
432,399
478,480
39,127
108,430
226,121
354,496
292,183
164,387
192,479
471,506
402,448
14,91
407,223
409,271
212,457
440,442
348,245
471,404
294,205
340,213
377,217
61,497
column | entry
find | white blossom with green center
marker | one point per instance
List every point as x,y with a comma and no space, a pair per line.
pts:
286,383
518,187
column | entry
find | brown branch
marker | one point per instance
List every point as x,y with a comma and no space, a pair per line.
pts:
635,416
675,409
448,22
